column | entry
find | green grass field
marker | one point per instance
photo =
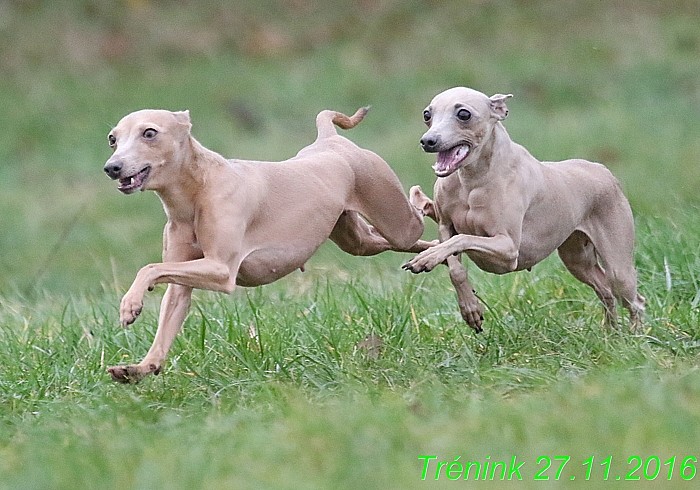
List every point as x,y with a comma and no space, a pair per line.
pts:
271,387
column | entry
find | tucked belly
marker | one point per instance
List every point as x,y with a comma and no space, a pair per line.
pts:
486,263
267,265
530,253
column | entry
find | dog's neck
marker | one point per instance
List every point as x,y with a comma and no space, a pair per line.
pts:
496,154
482,157
189,177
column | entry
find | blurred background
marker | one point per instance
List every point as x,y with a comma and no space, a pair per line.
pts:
612,81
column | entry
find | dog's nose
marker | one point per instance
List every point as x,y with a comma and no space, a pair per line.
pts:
429,143
113,169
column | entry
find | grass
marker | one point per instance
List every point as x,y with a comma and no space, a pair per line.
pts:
271,387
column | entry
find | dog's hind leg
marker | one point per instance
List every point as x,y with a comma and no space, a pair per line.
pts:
423,203
380,199
620,273
469,305
356,237
612,232
579,256
622,276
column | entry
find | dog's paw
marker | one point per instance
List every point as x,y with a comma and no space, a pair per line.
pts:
427,260
472,314
637,327
411,267
130,309
133,373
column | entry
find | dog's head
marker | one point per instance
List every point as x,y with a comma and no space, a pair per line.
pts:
144,143
459,120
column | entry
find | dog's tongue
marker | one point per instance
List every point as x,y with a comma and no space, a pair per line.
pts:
447,161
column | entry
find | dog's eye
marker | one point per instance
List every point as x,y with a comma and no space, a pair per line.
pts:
112,141
150,133
464,115
426,116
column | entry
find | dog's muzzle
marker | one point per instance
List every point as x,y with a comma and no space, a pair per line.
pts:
128,183
113,169
430,144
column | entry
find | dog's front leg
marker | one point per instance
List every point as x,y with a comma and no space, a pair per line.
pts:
173,310
355,236
469,305
201,274
499,252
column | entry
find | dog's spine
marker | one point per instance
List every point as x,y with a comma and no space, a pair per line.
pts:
327,120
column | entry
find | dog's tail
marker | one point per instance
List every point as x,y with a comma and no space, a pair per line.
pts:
327,120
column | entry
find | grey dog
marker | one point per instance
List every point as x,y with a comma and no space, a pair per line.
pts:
508,211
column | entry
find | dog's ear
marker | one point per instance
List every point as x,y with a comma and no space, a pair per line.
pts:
183,117
498,105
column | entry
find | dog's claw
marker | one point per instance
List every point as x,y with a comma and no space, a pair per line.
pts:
127,320
414,270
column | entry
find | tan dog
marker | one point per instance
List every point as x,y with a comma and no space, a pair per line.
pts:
507,211
235,222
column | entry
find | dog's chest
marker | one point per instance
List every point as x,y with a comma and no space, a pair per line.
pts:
466,213
465,222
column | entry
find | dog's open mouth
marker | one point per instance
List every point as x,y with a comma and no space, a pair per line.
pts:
127,185
449,160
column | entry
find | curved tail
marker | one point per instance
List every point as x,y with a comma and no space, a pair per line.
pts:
327,120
